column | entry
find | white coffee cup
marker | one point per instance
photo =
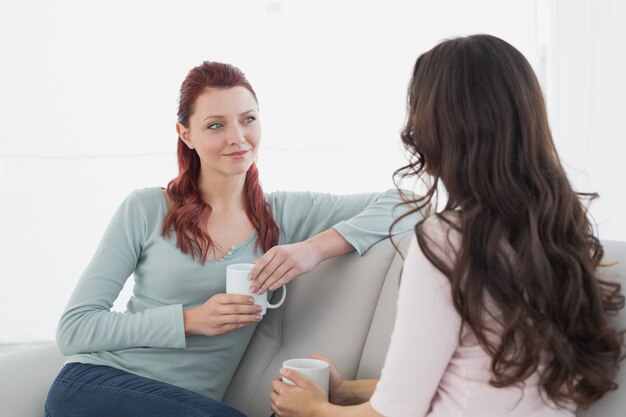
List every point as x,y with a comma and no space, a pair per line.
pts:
237,282
315,369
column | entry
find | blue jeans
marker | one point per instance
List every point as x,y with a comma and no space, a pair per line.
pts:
82,390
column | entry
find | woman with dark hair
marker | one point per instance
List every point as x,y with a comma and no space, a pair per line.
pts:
174,352
500,310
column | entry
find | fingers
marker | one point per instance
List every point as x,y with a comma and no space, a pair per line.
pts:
277,387
282,275
274,400
280,267
272,270
277,384
233,299
271,273
322,358
275,409
236,309
228,323
333,367
288,276
228,319
230,310
235,304
227,312
275,395
301,400
297,378
230,327
261,263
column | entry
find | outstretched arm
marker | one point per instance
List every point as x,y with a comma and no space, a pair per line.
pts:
283,263
324,226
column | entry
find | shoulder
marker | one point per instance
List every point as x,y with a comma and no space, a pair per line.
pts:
149,201
286,197
148,195
441,224
442,235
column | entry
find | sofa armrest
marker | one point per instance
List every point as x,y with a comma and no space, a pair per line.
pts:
25,378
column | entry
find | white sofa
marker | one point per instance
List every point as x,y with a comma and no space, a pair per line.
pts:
343,309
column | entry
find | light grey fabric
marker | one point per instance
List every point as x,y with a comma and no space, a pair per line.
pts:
25,377
379,335
344,309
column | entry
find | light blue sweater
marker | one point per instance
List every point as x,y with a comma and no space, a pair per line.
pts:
149,339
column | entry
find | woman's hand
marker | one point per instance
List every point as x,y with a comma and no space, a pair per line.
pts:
347,392
303,400
281,264
221,314
336,383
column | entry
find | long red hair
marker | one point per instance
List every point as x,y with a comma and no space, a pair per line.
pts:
189,213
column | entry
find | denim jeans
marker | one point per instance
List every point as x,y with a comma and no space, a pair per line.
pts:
83,390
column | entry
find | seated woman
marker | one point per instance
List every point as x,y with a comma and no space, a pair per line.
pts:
500,309
174,352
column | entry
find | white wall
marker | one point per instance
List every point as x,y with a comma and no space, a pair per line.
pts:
587,102
88,100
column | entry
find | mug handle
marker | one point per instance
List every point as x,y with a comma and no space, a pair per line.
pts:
282,299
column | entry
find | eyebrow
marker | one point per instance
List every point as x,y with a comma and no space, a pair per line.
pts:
223,117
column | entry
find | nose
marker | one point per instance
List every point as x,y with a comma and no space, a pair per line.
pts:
236,136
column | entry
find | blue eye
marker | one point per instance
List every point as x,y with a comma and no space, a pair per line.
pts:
215,126
249,119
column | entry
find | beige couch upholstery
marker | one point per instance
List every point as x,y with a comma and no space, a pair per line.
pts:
343,309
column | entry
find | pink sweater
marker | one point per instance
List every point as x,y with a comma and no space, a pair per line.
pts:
427,371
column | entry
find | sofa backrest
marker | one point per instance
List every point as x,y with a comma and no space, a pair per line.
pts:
333,311
345,310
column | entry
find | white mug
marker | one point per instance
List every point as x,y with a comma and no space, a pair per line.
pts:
315,369
237,282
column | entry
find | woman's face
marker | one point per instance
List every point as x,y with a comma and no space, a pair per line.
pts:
224,130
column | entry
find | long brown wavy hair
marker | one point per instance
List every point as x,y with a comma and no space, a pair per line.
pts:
189,213
477,124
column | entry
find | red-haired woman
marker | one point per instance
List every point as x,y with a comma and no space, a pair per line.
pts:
176,348
501,311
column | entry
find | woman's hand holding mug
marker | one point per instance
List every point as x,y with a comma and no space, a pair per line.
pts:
281,264
336,381
220,314
237,282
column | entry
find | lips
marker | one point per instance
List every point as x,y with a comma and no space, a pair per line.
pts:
237,154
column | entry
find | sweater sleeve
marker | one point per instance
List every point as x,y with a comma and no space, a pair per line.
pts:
88,324
424,338
362,219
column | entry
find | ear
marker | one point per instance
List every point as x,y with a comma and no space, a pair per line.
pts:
183,134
